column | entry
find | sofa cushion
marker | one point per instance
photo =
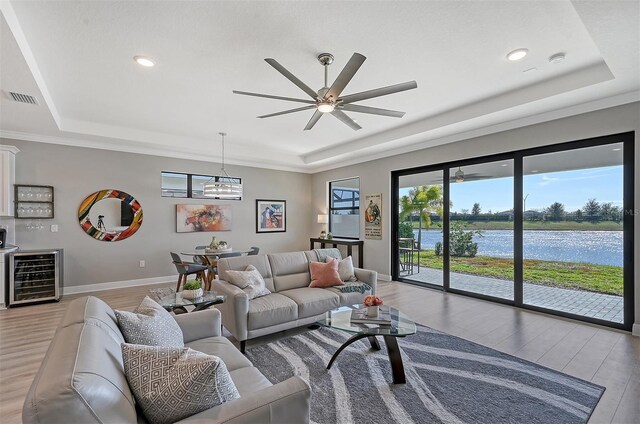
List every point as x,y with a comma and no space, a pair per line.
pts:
249,380
240,263
290,270
312,301
324,274
150,324
223,348
351,298
250,280
345,269
271,310
172,383
320,255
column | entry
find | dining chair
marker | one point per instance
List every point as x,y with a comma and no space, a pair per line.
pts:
229,255
187,268
254,251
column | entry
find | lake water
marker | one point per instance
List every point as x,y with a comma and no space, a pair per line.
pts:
596,247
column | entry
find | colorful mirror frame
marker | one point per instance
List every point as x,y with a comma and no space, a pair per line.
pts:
89,228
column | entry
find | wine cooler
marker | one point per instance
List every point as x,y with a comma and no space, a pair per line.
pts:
35,276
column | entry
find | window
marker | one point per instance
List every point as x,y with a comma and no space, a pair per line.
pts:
344,208
179,185
174,184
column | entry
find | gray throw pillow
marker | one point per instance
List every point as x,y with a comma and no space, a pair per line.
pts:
345,269
150,324
250,280
172,383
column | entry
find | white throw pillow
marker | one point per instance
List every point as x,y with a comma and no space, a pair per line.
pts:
150,324
345,269
172,383
250,280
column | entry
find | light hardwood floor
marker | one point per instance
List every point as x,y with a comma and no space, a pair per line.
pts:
607,357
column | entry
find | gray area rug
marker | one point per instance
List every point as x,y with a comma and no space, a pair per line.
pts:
449,380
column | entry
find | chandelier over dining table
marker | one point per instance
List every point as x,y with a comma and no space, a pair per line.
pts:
223,186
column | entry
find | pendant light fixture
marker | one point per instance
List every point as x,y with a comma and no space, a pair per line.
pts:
459,175
223,186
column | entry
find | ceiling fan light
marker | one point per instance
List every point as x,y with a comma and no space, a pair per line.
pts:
326,107
459,175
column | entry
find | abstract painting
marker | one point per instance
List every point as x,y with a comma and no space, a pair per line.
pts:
271,216
193,218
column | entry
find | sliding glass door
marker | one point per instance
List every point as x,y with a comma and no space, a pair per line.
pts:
573,231
420,227
481,229
549,228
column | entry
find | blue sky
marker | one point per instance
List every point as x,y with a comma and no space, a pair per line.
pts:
571,188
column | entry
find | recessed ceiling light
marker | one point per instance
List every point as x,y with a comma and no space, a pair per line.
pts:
517,54
504,164
617,149
535,171
556,58
144,61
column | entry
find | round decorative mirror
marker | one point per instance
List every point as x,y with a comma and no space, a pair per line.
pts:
110,215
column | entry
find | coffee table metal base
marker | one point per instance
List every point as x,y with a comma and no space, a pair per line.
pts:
395,357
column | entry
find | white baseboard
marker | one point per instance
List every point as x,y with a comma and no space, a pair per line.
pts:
119,284
636,329
384,277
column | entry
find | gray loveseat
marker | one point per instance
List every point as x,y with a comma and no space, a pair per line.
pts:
292,303
81,379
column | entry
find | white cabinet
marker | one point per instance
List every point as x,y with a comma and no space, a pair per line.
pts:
7,178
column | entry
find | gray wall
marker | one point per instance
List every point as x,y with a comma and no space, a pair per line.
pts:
375,176
77,172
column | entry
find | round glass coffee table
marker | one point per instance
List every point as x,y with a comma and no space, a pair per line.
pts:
400,326
175,302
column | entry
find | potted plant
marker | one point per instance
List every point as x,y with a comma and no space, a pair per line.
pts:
192,289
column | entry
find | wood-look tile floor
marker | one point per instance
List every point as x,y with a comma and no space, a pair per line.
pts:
607,357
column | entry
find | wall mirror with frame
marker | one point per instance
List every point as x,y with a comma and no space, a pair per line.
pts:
110,215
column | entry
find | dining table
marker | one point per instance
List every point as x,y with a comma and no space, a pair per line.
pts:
210,259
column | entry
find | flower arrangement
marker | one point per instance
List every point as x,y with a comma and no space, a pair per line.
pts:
372,300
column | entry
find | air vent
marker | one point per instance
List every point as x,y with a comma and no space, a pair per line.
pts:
23,98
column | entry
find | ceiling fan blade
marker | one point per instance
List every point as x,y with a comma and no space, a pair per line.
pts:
284,112
345,76
269,96
292,77
345,119
314,118
379,92
372,110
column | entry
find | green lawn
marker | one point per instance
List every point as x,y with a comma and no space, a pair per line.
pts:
538,225
589,277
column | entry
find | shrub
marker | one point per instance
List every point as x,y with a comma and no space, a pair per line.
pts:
461,241
406,230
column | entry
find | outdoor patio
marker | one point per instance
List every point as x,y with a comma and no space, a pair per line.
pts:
589,304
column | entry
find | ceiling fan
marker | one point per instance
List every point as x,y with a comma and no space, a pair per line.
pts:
329,99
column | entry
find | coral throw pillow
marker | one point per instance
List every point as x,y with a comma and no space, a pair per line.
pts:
324,275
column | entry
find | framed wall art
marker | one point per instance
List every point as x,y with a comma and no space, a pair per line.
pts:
195,218
373,217
271,216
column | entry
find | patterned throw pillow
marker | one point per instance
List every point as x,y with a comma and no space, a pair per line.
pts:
345,269
172,383
150,324
250,280
324,275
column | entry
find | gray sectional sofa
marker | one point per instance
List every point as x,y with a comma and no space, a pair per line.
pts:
292,303
82,380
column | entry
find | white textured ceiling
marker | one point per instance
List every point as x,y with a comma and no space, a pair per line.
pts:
76,58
